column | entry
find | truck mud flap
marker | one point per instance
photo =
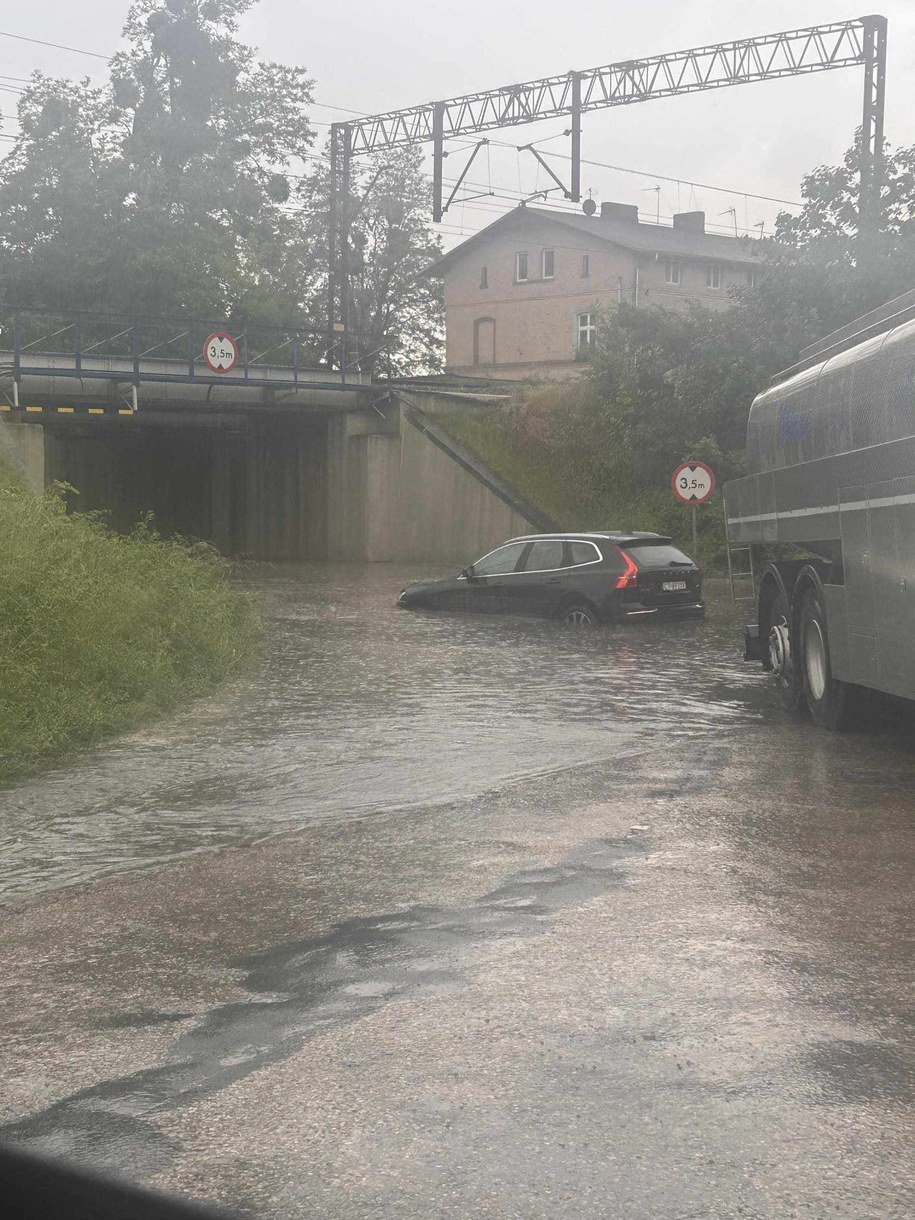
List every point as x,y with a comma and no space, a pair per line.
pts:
753,649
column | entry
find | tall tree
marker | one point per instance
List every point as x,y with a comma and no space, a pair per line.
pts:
392,305
165,187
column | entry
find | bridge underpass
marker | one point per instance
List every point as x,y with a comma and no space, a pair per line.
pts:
272,461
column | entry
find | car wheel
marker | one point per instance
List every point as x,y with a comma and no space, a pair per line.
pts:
579,614
827,698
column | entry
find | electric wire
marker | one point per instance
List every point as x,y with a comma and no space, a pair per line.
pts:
57,45
498,143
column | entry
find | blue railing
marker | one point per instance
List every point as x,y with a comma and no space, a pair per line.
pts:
44,342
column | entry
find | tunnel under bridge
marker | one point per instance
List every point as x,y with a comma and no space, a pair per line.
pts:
287,455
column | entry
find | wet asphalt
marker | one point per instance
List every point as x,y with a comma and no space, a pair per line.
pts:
448,917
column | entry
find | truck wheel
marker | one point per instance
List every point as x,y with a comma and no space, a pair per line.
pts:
826,697
780,654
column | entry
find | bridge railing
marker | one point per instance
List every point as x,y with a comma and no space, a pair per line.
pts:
135,349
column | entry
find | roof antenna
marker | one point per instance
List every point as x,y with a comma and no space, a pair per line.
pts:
657,191
733,213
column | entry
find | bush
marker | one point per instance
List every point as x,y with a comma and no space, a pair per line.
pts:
99,631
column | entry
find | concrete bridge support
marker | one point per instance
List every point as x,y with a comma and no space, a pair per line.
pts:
22,448
400,489
380,483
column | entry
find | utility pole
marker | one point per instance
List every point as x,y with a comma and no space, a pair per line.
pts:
871,148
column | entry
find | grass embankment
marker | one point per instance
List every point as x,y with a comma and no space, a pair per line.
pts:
100,632
571,475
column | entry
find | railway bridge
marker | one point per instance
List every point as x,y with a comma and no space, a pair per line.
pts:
270,442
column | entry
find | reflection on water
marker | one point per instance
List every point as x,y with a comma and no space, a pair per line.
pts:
359,707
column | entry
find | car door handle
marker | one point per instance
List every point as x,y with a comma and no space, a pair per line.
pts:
554,580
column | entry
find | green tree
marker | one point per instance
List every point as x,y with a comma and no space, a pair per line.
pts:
666,384
164,188
393,306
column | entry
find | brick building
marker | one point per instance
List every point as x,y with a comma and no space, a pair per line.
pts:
522,296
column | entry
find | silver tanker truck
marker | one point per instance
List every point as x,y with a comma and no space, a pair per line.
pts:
827,516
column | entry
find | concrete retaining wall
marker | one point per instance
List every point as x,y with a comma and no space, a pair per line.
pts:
22,446
399,489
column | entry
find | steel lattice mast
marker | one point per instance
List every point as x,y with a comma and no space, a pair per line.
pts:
858,42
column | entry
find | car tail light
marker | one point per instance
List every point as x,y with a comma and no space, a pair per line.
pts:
630,577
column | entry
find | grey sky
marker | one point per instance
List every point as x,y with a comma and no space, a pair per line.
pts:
376,56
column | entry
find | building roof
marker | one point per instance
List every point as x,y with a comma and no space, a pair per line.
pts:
650,238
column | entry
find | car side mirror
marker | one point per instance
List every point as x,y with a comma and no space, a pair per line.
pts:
467,572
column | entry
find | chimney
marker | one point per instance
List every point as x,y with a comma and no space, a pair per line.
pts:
690,222
627,212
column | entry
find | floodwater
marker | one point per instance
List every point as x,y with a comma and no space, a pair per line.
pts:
360,708
574,924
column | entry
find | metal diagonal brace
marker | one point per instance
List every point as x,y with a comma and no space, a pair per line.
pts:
464,172
562,186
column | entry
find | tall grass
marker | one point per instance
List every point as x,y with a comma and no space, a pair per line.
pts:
100,632
555,450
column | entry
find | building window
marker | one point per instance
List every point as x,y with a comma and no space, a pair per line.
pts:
713,277
751,278
484,281
671,271
548,264
585,266
521,267
585,330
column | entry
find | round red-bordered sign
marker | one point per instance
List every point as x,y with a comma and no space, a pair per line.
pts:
220,353
693,482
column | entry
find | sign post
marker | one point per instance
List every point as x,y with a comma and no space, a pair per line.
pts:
693,484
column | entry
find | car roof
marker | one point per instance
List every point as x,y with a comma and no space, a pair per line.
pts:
618,537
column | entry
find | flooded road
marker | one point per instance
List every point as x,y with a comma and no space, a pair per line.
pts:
360,708
472,916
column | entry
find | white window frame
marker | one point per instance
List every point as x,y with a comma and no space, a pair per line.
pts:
713,276
585,542
543,271
673,272
504,546
589,329
519,278
563,567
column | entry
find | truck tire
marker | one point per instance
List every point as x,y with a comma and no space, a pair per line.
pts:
826,697
781,653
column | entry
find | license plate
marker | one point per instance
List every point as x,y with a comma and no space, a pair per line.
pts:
671,586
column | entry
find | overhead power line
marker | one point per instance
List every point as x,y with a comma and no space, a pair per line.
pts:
57,45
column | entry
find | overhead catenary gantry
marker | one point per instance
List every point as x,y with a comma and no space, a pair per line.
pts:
858,42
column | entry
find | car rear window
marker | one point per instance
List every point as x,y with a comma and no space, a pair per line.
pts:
583,552
659,556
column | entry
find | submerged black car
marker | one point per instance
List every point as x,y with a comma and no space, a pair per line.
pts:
582,579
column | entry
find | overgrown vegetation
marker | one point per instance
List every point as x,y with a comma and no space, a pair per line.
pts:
548,444
100,632
667,386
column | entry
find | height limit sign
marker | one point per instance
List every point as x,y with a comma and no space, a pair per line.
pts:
693,483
